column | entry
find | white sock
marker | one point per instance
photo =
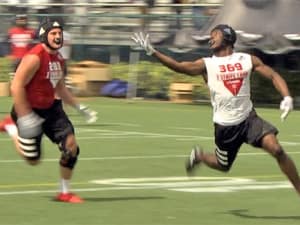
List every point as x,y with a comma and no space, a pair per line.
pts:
64,186
11,130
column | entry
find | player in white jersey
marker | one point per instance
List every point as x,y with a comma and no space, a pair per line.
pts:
227,75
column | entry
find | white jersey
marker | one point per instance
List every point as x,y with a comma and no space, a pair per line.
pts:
228,79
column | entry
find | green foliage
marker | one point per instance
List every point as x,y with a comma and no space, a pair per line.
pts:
154,79
5,69
263,90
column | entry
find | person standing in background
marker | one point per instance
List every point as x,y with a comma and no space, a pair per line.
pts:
20,38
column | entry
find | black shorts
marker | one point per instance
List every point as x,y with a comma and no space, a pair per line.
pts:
229,139
57,125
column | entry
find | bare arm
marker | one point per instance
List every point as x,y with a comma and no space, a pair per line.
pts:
67,97
190,68
25,72
65,94
266,71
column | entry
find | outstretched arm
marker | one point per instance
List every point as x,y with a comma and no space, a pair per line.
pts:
190,68
279,83
266,71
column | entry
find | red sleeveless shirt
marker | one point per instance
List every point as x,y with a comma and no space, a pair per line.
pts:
41,89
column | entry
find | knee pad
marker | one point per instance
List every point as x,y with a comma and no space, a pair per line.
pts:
67,159
30,147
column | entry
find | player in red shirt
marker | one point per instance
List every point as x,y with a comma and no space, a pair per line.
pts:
36,111
21,39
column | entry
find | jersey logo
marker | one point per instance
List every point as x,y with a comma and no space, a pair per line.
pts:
232,76
233,86
55,73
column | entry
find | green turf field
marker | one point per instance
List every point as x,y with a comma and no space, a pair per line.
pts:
131,171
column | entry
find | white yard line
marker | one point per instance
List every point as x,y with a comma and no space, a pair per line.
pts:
136,157
181,184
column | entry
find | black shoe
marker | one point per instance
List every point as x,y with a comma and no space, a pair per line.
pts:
193,159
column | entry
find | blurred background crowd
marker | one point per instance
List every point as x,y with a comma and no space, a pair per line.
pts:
103,22
101,30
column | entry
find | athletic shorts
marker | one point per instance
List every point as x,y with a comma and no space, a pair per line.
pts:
229,139
57,125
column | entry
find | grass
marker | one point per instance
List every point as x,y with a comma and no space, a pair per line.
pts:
131,171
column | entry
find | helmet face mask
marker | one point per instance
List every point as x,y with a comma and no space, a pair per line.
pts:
45,27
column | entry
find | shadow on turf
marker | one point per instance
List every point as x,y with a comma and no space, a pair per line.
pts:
244,213
112,199
96,125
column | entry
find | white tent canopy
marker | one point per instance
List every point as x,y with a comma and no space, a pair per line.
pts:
270,25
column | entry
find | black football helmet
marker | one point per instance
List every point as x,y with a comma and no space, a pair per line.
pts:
229,34
45,26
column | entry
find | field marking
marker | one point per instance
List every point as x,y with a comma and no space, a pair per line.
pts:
196,184
136,157
95,134
180,184
104,133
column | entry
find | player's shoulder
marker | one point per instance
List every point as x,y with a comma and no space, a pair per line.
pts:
12,30
37,49
31,31
241,54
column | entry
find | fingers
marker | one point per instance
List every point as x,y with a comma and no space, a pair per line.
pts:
135,37
286,105
92,119
140,38
143,40
284,115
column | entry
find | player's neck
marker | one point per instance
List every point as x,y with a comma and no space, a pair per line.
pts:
49,50
224,52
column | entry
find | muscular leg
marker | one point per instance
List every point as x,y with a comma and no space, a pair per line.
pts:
71,145
70,151
286,164
210,160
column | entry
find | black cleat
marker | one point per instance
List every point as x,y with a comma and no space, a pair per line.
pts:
193,160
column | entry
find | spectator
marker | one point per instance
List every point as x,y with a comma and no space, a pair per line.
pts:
21,38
